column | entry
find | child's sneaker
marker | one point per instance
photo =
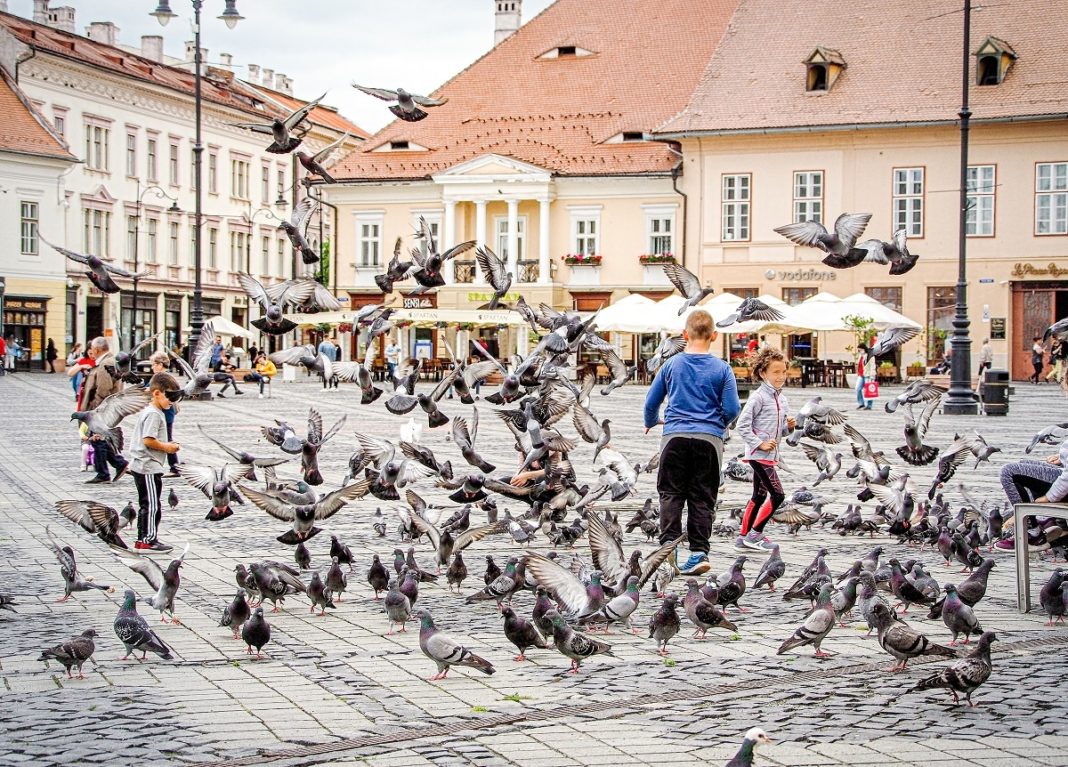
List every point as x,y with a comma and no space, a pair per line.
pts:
755,542
159,547
697,564
140,545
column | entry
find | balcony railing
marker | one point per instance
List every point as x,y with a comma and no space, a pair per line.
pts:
528,271
465,272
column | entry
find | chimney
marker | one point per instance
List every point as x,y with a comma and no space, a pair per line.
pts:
61,18
282,83
226,61
508,16
268,77
152,47
190,51
3,6
103,32
40,11
253,73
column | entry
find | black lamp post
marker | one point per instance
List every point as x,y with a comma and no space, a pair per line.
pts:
230,16
961,399
136,243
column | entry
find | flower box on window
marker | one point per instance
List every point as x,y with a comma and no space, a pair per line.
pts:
649,259
344,327
582,259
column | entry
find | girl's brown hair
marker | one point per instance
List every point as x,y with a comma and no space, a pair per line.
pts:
764,358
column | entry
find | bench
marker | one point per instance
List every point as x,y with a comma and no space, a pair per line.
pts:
1023,566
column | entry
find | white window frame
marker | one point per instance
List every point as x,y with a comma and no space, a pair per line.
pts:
281,181
238,245
736,207
808,195
369,227
659,225
585,229
213,172
59,121
213,247
29,227
174,232
982,190
909,187
239,169
1051,198
152,159
131,154
265,184
131,237
173,158
97,138
265,255
500,236
96,232
151,240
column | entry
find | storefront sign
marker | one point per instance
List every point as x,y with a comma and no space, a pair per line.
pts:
1030,270
25,304
481,298
802,275
997,328
418,303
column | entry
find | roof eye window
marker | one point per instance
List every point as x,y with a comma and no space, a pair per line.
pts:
993,60
822,69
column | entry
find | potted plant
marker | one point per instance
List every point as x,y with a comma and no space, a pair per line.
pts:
582,259
344,327
887,371
793,370
656,258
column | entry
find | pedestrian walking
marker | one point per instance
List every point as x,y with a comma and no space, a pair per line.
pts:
100,384
764,421
393,355
862,377
3,356
148,452
1038,354
702,399
161,363
51,355
986,357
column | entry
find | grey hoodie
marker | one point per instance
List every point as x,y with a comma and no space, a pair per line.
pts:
763,418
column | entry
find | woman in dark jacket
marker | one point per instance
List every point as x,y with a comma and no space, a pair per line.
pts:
51,355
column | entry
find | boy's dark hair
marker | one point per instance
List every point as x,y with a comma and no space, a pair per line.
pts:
163,382
764,358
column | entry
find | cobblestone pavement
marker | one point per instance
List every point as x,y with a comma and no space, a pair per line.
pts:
335,690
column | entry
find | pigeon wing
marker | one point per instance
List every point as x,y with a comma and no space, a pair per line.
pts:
651,563
276,507
607,553
378,93
121,404
560,582
683,279
807,233
849,227
333,501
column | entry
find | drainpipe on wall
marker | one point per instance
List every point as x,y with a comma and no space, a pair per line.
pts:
675,173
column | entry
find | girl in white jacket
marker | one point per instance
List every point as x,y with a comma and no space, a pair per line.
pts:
764,420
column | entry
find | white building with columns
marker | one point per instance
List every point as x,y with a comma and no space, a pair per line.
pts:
128,115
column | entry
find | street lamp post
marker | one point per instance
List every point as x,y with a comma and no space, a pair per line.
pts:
961,399
230,16
158,191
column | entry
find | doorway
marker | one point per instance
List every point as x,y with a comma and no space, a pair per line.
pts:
94,318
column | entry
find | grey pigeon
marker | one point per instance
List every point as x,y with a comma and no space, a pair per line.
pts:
464,436
172,499
753,738
457,572
244,458
958,617
687,284
256,633
302,556
906,593
839,245
218,484
318,595
445,651
914,451
378,576
887,341
844,599
492,571
619,609
410,585
336,580
902,641
236,613
7,602
966,675
68,568
314,163
895,253
103,420
732,585
816,626
915,393
971,590
500,588
74,652
522,633
703,614
134,633
664,624
575,645
496,273
751,309
103,521
275,581
165,582
398,607
577,599
773,569
408,106
99,272
667,349
281,129
1050,597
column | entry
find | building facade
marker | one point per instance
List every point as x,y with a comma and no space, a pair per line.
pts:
129,117
835,115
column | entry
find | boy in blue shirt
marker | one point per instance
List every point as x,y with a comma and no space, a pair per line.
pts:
702,400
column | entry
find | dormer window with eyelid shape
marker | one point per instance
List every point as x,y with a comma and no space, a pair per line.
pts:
822,69
993,59
565,52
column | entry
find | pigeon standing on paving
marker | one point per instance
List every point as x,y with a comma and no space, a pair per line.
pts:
318,595
619,609
753,738
816,627
958,617
378,576
134,633
966,675
970,590
302,556
236,613
336,579
256,633
703,614
575,645
68,568
172,499
773,569
1050,597
664,624
74,652
445,651
398,607
902,641
522,633
457,572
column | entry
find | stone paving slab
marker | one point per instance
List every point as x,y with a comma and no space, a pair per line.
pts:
337,682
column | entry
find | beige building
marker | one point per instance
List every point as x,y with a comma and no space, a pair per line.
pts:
806,111
541,155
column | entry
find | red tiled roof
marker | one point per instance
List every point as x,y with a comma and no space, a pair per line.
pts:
25,131
557,113
903,64
325,116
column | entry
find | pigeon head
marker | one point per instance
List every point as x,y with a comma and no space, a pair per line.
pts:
671,601
988,638
89,633
129,601
949,588
426,620
78,416
691,584
757,736
881,613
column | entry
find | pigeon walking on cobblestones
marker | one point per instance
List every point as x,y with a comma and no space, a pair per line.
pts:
753,738
816,627
457,572
7,602
378,576
445,651
704,615
971,590
966,675
959,617
275,581
74,652
317,593
664,623
134,633
236,613
256,633
165,582
398,607
342,552
68,568
772,570
336,580
575,645
521,632
1050,597
619,609
902,641
500,588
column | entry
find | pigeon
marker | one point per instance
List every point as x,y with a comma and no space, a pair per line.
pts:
274,300
575,645
914,451
732,585
318,595
753,738
619,609
614,567
236,613
281,130
99,271
430,262
314,163
396,270
304,517
703,615
492,571
410,585
134,633
309,452
667,349
256,633
664,623
502,587
247,583
408,106
164,582
902,641
839,246
915,393
970,591
1050,597
297,225
336,580
577,599
302,556
966,675
464,436
751,309
457,572
74,652
895,253
172,499
522,633
216,484
828,461
101,520
618,371
958,617
887,341
906,593
275,581
1051,435
68,568
398,607
816,410
687,284
495,272
445,651
103,420
816,626
378,576
7,602
844,599
952,458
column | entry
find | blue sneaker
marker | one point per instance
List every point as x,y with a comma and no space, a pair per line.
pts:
697,564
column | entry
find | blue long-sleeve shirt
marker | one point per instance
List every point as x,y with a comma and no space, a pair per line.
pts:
702,396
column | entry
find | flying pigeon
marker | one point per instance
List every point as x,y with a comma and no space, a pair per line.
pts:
164,582
216,484
496,273
99,272
314,163
103,420
838,246
887,341
687,284
914,451
751,309
99,519
408,105
296,226
895,253
281,129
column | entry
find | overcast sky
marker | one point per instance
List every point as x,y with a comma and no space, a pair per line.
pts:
414,44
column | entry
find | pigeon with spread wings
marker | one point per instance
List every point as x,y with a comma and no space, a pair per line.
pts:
895,253
297,225
99,272
914,451
103,420
96,518
304,516
495,272
839,245
408,106
615,568
164,582
314,163
281,130
274,299
686,282
216,484
68,568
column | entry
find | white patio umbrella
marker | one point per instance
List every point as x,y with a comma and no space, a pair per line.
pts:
633,314
821,312
224,327
863,305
